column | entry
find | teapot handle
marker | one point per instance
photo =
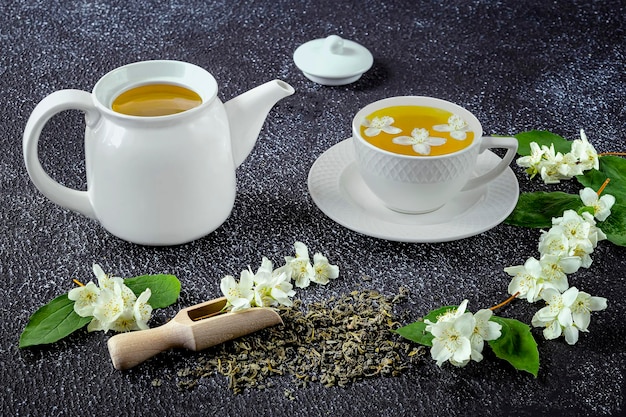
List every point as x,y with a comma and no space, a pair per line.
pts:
54,103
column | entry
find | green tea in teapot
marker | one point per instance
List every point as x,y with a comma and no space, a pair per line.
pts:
156,100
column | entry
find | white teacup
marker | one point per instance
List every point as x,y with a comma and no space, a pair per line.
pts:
421,183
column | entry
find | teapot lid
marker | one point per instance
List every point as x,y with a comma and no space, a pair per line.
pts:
333,60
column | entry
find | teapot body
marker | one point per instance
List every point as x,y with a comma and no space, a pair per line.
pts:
161,182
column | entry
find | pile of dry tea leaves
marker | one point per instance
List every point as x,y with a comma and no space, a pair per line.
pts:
333,342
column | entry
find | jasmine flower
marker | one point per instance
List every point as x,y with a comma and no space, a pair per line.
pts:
380,124
456,126
601,205
420,140
323,271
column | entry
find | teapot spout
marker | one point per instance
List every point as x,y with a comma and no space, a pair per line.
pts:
247,113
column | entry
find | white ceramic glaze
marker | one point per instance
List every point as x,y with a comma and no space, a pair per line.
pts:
162,180
333,60
337,188
421,184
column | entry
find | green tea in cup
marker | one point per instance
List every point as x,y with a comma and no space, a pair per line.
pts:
416,130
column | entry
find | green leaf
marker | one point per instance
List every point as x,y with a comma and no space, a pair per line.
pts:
57,319
538,208
416,331
612,167
542,137
586,209
615,225
592,179
52,322
516,345
165,288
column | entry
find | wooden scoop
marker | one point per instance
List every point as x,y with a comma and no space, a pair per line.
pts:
197,327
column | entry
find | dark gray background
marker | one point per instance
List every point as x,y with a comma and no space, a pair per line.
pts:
518,65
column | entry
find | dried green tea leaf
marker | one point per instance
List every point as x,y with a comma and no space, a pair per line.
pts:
334,342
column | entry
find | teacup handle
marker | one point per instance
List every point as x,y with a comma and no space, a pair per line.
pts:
54,103
494,142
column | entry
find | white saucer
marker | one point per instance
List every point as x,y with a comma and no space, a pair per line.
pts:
339,191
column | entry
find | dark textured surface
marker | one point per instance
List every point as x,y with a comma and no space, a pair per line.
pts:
518,65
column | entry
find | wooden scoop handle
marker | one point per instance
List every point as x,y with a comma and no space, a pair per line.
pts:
132,348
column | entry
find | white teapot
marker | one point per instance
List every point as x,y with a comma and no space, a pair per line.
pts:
156,180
